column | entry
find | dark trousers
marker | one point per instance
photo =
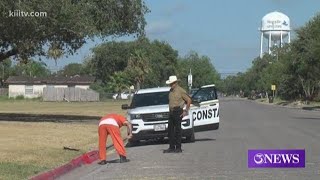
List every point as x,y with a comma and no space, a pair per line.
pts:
174,128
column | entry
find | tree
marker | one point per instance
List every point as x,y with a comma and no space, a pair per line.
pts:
5,68
306,60
163,62
55,53
203,71
138,67
72,69
119,82
112,57
109,58
31,69
65,25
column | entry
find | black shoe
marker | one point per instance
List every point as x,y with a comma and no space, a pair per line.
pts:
169,150
103,162
123,159
178,151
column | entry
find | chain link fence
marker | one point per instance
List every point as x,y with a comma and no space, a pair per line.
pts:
115,96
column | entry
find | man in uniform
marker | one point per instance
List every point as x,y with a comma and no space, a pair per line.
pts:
178,97
110,125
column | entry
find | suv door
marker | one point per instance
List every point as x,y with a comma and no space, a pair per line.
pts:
204,111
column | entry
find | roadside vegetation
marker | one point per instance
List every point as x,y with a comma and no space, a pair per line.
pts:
62,108
294,69
28,148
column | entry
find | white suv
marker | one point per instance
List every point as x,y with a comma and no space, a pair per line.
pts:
149,113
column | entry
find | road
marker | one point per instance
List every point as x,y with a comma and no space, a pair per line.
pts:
222,154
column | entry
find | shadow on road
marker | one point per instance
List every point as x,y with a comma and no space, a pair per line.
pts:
307,118
160,142
114,161
205,139
146,143
312,108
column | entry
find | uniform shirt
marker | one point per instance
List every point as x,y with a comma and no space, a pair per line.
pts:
113,119
177,97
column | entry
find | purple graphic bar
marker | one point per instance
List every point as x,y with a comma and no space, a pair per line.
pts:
264,158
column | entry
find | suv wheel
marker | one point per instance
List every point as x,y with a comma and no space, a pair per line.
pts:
191,138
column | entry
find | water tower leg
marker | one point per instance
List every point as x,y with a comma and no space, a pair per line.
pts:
261,45
281,39
269,43
289,37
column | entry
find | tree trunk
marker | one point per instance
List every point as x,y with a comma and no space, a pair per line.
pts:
119,95
138,85
8,54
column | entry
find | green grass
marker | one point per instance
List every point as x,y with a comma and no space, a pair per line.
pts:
14,171
62,108
19,98
27,148
278,100
4,98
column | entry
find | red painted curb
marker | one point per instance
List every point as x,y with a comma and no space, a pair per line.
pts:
86,158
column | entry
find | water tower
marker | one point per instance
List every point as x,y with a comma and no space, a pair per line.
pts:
275,27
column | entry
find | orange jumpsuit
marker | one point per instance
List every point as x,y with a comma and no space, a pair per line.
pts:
110,125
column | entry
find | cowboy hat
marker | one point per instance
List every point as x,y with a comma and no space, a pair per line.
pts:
172,79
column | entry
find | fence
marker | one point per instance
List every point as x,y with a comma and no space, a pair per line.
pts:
3,91
69,94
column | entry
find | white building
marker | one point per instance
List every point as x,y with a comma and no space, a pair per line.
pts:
30,87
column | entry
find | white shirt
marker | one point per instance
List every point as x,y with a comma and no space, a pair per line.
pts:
109,121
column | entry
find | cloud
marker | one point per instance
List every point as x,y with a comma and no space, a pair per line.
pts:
158,27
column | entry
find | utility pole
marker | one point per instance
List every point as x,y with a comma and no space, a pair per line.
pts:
2,70
190,80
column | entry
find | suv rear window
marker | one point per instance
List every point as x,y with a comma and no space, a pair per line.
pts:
150,99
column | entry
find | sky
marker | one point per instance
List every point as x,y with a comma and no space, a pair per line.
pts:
224,30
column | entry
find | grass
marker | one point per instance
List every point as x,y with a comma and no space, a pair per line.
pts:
276,101
6,170
62,108
27,148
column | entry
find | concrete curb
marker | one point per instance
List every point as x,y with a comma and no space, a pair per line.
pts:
86,158
304,108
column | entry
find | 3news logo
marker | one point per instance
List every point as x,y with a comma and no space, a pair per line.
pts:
276,158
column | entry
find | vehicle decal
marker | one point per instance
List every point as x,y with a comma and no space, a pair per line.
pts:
205,113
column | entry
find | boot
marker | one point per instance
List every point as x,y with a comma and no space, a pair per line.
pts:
103,162
123,159
170,150
178,150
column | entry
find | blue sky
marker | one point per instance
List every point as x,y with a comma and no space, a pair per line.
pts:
224,30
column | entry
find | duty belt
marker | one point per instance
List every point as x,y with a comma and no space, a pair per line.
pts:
176,108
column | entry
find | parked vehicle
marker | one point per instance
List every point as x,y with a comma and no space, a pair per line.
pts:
123,95
192,91
149,113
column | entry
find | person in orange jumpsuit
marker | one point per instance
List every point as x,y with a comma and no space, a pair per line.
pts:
110,125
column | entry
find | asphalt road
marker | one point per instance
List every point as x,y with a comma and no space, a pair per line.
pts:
222,154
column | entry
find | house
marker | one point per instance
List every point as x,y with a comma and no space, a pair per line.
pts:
32,87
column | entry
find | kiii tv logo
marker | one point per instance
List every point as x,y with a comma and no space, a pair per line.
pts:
276,158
